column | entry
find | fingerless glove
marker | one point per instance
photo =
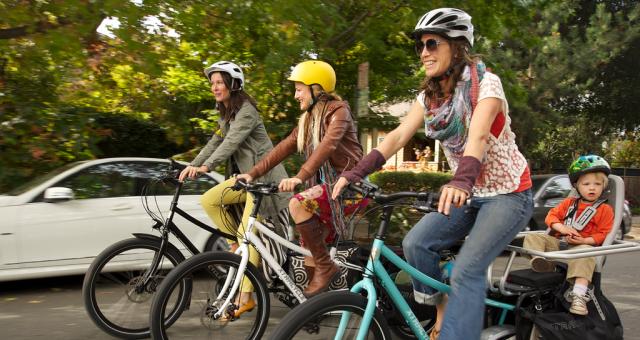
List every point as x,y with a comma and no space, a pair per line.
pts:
369,163
468,170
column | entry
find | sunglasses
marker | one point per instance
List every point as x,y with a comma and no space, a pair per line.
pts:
430,44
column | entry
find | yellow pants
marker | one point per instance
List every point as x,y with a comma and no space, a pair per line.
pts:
213,202
582,267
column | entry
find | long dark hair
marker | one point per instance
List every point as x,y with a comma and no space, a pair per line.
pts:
236,99
461,57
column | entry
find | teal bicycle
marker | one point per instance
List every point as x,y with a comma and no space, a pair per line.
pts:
356,313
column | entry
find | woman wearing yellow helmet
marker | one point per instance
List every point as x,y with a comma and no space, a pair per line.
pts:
326,136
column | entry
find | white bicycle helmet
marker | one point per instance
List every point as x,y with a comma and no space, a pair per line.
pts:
226,66
450,22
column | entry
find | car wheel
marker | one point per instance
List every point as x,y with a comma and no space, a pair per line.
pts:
217,243
621,231
531,226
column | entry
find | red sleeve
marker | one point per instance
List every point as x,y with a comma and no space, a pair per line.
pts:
557,214
603,223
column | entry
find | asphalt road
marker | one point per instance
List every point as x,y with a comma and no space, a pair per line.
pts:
53,308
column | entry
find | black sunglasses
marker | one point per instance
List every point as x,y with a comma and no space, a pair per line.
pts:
430,44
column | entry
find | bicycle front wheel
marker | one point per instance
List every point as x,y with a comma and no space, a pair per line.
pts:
206,317
319,317
117,293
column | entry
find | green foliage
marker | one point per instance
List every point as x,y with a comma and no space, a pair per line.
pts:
561,63
393,181
561,145
127,136
625,151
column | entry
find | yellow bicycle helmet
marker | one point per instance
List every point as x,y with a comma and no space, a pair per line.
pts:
315,72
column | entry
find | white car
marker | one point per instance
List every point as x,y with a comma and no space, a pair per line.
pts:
56,224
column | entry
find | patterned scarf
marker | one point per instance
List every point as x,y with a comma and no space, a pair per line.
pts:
327,175
449,123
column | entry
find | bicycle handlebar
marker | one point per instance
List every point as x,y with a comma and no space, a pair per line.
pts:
256,187
427,200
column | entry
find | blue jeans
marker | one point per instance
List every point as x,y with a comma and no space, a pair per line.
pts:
491,223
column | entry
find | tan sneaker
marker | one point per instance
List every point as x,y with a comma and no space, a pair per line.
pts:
579,304
542,265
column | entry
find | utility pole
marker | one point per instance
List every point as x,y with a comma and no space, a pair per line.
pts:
362,105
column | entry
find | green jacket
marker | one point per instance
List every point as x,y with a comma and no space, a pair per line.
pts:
245,140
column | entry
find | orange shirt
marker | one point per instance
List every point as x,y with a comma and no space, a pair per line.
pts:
599,225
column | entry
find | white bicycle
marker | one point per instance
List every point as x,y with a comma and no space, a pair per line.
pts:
217,278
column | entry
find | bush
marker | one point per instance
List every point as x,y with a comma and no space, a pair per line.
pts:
404,217
392,181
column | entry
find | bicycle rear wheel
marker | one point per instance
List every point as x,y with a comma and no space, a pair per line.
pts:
319,317
208,272
114,295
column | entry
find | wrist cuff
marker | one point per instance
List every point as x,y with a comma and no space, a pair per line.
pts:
465,177
369,163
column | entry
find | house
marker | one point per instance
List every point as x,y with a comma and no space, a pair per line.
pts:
420,153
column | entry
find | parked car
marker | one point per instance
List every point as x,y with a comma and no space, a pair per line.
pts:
42,234
549,190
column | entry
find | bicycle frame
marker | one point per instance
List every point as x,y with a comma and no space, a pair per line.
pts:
375,268
250,238
172,228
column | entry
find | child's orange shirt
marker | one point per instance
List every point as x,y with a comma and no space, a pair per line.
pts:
598,227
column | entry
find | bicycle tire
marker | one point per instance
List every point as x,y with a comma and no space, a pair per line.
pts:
321,314
207,280
111,312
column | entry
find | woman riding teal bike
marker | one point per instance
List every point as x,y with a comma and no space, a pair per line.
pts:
463,105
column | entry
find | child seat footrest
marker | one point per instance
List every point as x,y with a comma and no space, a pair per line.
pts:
527,277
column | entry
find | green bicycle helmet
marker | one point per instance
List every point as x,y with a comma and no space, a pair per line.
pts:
586,164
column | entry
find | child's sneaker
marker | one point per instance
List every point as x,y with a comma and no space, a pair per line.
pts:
578,304
542,265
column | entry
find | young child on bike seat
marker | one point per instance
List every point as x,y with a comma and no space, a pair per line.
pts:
581,222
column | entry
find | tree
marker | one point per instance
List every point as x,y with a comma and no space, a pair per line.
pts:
57,75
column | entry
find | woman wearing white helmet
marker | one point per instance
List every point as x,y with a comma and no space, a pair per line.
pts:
464,107
327,137
241,140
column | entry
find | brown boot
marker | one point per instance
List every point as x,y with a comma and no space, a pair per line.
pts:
309,267
325,271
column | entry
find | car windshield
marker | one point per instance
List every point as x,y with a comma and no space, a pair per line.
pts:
40,179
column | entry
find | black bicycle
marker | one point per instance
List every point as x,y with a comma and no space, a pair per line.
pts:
121,281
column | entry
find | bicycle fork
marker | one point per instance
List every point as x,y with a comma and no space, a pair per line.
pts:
375,268
233,278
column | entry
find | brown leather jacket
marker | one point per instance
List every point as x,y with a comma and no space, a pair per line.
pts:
339,145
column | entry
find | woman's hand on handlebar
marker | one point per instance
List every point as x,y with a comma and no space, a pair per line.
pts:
451,195
289,184
244,177
192,172
339,187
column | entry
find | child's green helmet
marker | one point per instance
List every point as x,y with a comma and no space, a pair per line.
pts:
587,164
